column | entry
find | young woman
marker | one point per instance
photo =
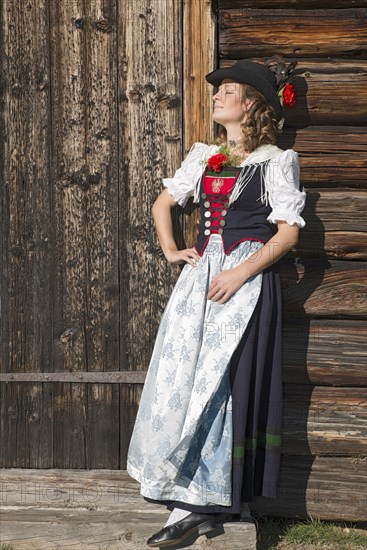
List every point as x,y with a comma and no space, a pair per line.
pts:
207,436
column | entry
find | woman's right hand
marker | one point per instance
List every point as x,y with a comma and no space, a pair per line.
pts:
188,255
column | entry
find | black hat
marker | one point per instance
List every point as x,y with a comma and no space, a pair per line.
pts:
256,75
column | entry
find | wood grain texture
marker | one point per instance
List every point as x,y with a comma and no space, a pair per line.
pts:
321,421
325,140
303,4
325,352
151,147
85,529
85,172
318,287
26,215
199,58
306,33
330,488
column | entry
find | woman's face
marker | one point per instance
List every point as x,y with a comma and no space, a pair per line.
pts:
228,104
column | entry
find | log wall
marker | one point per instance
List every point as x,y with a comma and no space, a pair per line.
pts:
324,278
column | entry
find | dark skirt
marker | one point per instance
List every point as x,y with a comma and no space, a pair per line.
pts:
256,383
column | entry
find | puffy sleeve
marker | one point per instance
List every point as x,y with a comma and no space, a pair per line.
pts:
286,195
182,185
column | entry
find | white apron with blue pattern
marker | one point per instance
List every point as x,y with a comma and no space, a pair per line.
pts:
181,446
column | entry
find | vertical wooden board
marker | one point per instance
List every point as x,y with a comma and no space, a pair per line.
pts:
199,35
70,182
26,219
102,288
150,148
199,58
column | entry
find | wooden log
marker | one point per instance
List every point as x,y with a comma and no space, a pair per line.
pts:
304,33
334,244
333,209
323,86
331,488
320,288
324,421
325,352
323,162
315,351
303,4
314,140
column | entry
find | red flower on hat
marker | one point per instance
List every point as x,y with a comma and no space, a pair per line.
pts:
216,162
287,95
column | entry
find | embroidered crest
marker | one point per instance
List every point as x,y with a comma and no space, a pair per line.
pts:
217,184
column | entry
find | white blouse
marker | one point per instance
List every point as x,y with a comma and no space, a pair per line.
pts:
282,180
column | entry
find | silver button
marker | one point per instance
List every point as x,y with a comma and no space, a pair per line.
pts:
206,204
207,223
207,214
220,231
222,222
226,204
224,212
203,195
207,232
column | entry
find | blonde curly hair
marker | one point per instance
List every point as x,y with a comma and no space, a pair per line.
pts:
261,125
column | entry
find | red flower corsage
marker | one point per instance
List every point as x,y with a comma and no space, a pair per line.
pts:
216,162
287,95
223,157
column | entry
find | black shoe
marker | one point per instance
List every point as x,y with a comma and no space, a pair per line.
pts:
182,530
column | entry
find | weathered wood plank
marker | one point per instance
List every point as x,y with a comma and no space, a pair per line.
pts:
102,319
315,139
323,85
68,171
83,529
303,4
85,169
26,217
333,209
42,528
323,288
249,32
345,245
150,110
325,352
324,421
324,163
199,27
306,485
329,488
